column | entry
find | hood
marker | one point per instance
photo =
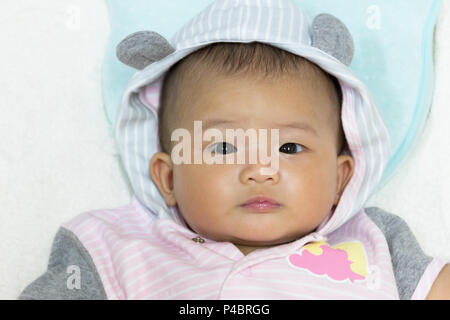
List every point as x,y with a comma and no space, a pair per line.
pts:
323,40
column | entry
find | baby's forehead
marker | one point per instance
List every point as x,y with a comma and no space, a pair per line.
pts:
200,89
311,81
285,94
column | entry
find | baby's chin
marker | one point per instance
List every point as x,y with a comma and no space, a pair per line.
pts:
257,237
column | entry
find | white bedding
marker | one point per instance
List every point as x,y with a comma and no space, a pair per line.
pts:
58,159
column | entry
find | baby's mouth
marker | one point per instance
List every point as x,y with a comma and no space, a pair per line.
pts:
261,204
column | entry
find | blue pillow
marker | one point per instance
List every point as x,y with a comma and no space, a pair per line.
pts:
393,54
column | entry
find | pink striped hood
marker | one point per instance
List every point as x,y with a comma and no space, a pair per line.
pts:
279,23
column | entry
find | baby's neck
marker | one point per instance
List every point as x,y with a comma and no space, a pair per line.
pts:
248,249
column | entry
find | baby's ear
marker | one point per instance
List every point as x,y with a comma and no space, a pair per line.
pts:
142,48
330,35
161,172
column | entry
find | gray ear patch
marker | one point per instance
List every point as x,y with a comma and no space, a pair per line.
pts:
142,48
330,35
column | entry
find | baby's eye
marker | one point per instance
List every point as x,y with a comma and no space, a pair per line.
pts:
223,148
291,148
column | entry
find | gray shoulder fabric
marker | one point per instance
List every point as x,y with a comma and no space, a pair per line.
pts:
67,251
330,35
142,48
408,259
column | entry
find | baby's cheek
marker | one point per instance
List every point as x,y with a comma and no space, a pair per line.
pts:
311,187
195,185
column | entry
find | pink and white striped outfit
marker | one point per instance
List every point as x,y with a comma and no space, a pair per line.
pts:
139,256
145,250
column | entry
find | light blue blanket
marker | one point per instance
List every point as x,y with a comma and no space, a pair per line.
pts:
393,54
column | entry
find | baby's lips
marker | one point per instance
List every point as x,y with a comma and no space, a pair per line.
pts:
261,199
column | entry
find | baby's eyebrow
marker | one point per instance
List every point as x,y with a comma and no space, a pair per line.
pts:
298,125
291,125
208,123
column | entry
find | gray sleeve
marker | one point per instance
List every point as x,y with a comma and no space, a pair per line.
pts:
408,259
71,273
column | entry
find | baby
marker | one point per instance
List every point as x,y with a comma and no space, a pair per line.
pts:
253,86
209,226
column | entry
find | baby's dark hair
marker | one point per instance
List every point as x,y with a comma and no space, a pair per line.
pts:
234,59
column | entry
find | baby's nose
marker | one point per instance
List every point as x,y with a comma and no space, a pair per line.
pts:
257,173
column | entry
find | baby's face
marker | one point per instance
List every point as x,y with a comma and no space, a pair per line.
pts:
309,178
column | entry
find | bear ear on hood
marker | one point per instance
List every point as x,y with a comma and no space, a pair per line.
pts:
330,35
142,48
